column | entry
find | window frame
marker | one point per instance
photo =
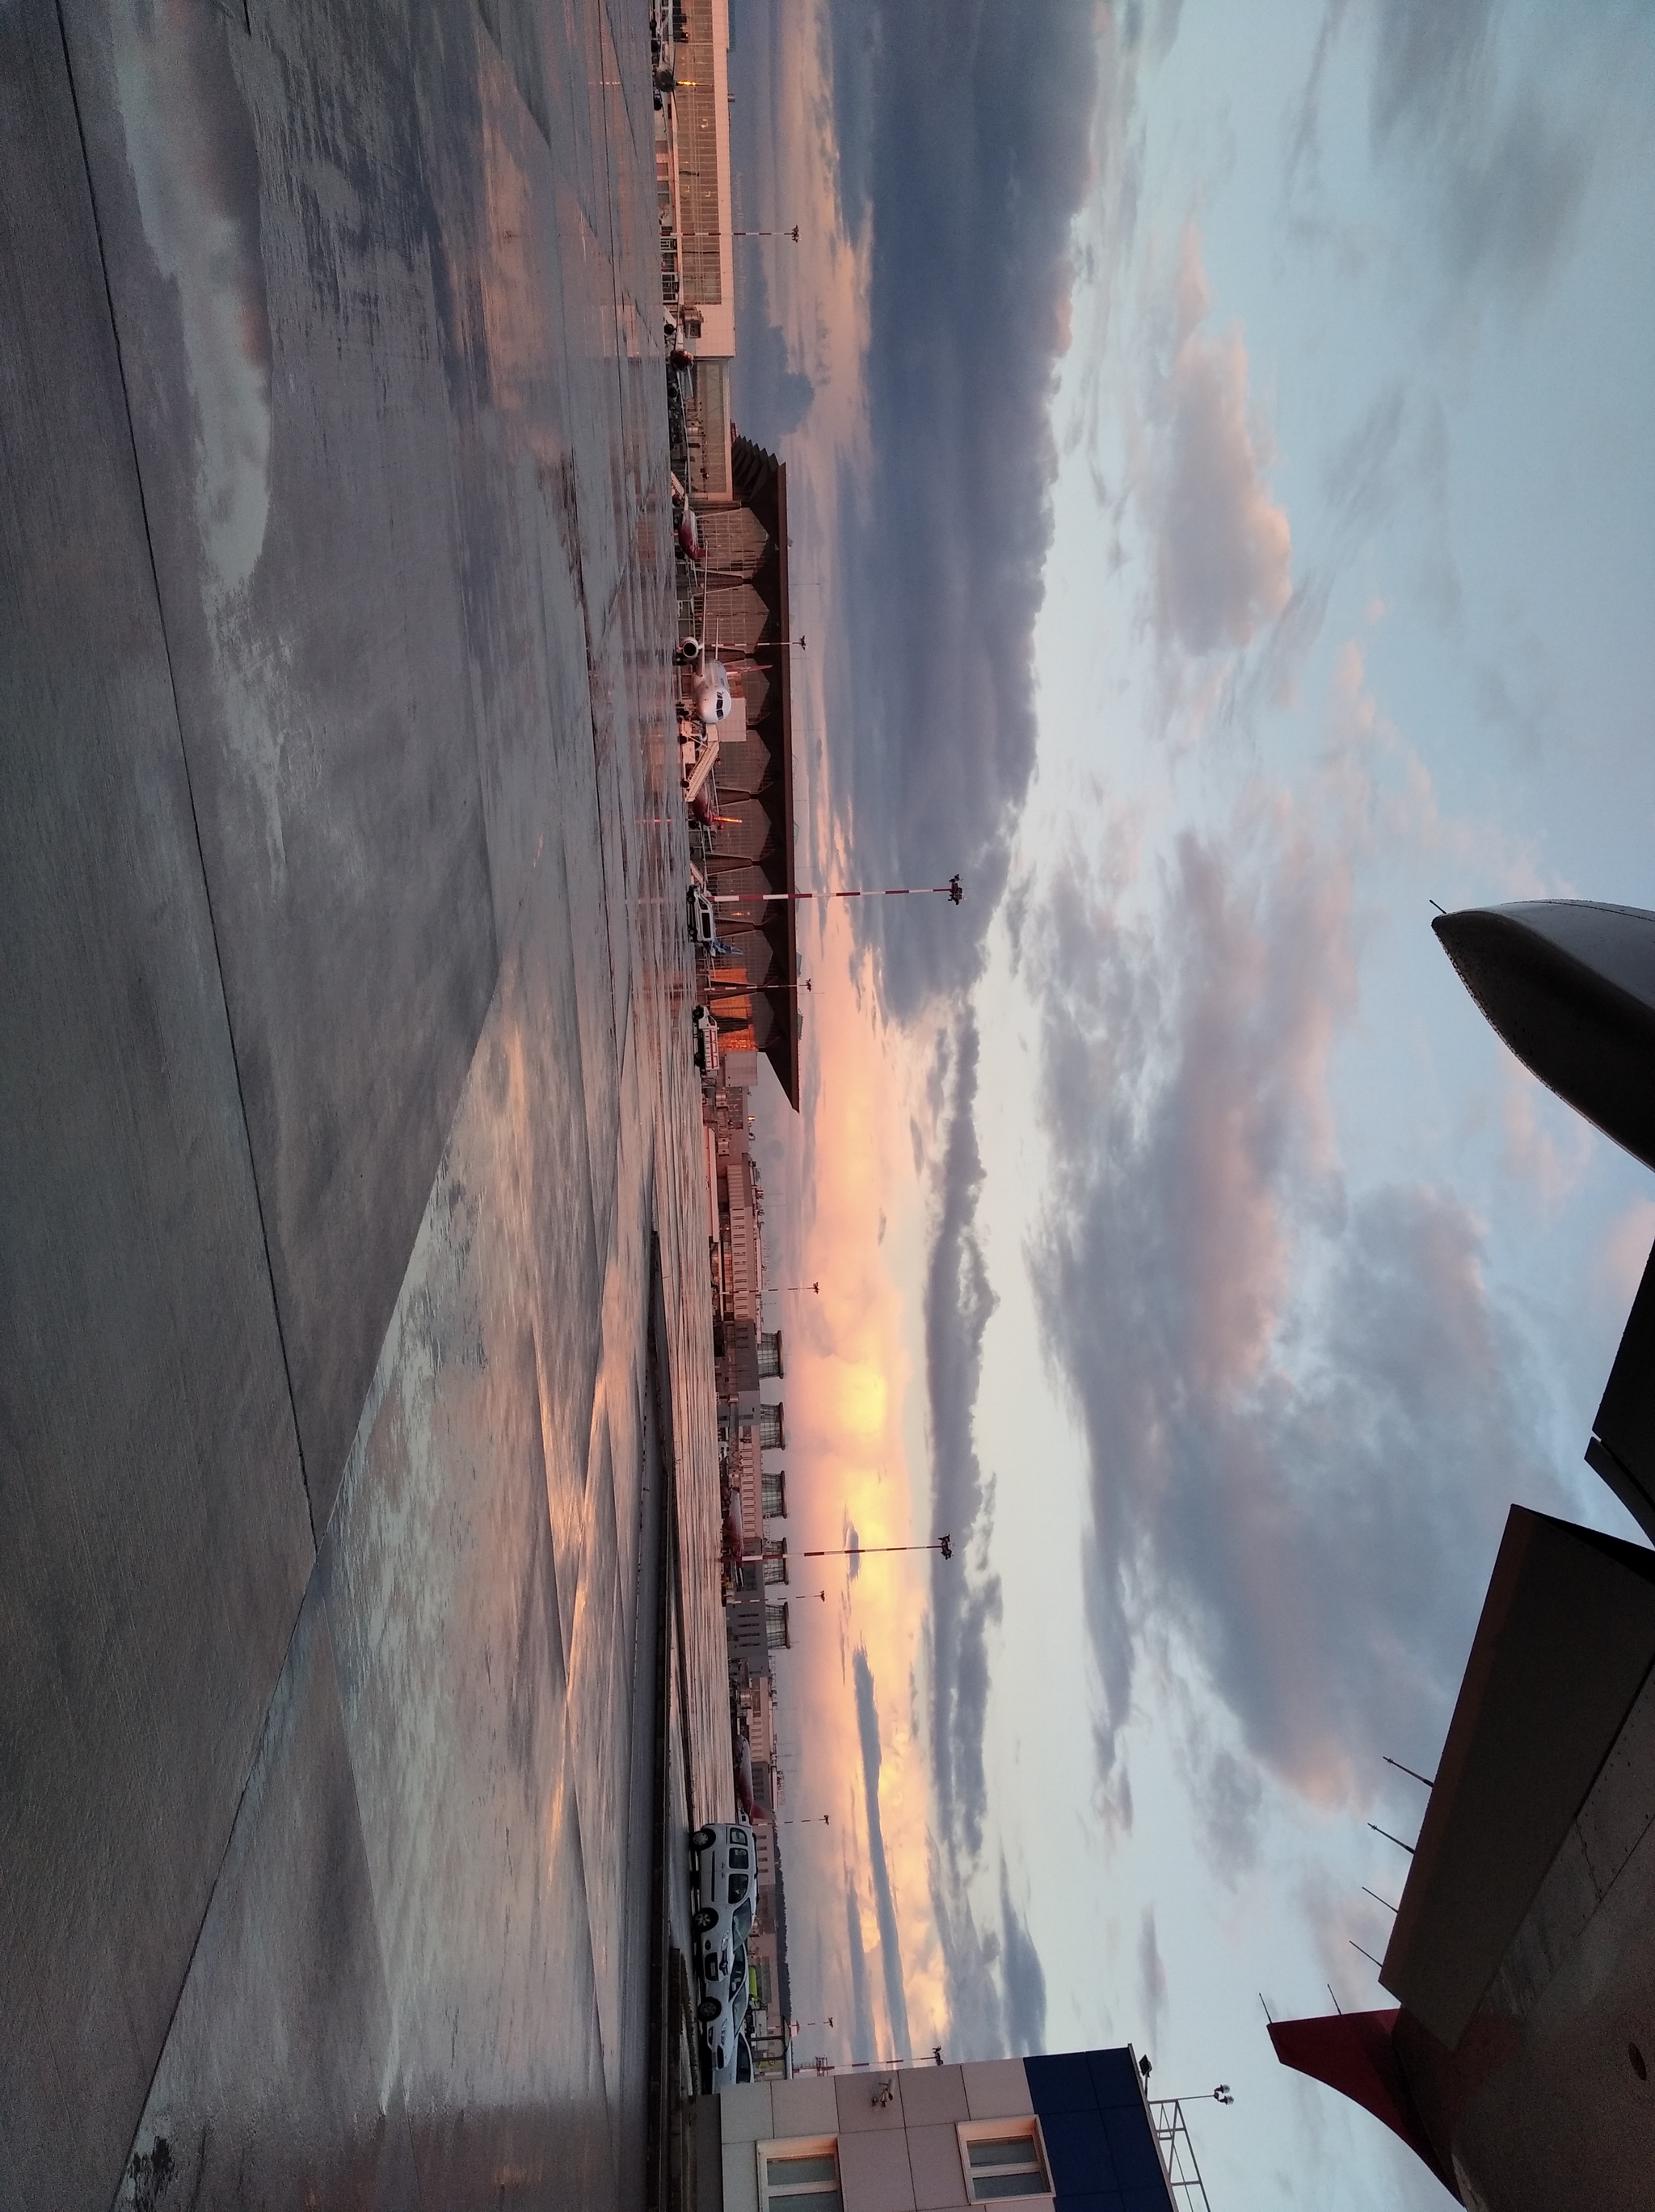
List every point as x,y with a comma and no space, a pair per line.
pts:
798,2147
1023,2125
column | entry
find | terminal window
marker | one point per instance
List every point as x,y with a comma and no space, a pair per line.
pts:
805,2174
1003,2161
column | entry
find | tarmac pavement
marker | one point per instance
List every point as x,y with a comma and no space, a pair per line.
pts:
351,1121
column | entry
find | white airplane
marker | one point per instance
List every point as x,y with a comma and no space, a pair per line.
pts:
710,681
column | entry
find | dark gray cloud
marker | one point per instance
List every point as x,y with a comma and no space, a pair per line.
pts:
1307,1493
1430,61
963,139
884,1904
995,1982
770,396
972,1964
1511,205
1228,1798
1024,1976
1152,1981
769,399
1495,144
1361,476
966,1599
1397,450
1522,702
1507,171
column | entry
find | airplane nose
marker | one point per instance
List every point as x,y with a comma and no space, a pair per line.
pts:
1570,986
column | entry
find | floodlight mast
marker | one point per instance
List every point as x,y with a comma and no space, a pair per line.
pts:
954,890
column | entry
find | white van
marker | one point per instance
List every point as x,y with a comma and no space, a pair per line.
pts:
704,918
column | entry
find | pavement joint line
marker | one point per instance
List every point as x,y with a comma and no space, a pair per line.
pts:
218,1875
189,780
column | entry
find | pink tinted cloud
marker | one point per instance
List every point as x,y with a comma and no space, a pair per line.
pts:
1545,1148
1624,1252
1266,977
1224,560
1303,1414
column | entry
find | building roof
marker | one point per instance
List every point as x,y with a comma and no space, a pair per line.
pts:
1565,1643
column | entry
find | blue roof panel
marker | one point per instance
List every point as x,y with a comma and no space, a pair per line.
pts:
1114,2078
1079,2151
1132,2146
1061,2082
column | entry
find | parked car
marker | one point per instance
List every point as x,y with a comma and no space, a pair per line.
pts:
723,1872
716,2018
705,1032
723,1868
725,2046
723,2011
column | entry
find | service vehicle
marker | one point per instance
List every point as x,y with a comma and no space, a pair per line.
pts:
704,918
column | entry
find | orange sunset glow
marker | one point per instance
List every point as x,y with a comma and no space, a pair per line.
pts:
858,1459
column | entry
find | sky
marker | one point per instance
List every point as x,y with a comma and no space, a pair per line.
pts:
1220,470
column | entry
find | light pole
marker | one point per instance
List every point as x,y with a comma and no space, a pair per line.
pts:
952,891
1177,2152
792,234
943,1544
733,991
807,1820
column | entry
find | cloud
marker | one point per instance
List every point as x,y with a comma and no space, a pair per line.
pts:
965,1599
1152,1978
1024,1977
1223,561
1430,63
964,154
972,1959
864,2036
770,397
1492,145
1305,1415
884,1904
1225,1791
995,1982
1547,1147
1361,475
1624,1254
1511,205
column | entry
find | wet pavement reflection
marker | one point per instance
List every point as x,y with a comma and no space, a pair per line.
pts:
355,1343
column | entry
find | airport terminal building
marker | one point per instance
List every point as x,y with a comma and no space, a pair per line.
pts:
1072,2129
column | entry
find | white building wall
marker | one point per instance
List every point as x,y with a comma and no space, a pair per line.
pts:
900,2154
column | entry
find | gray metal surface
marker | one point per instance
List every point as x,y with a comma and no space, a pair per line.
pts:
346,1075
1570,986
1566,1640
